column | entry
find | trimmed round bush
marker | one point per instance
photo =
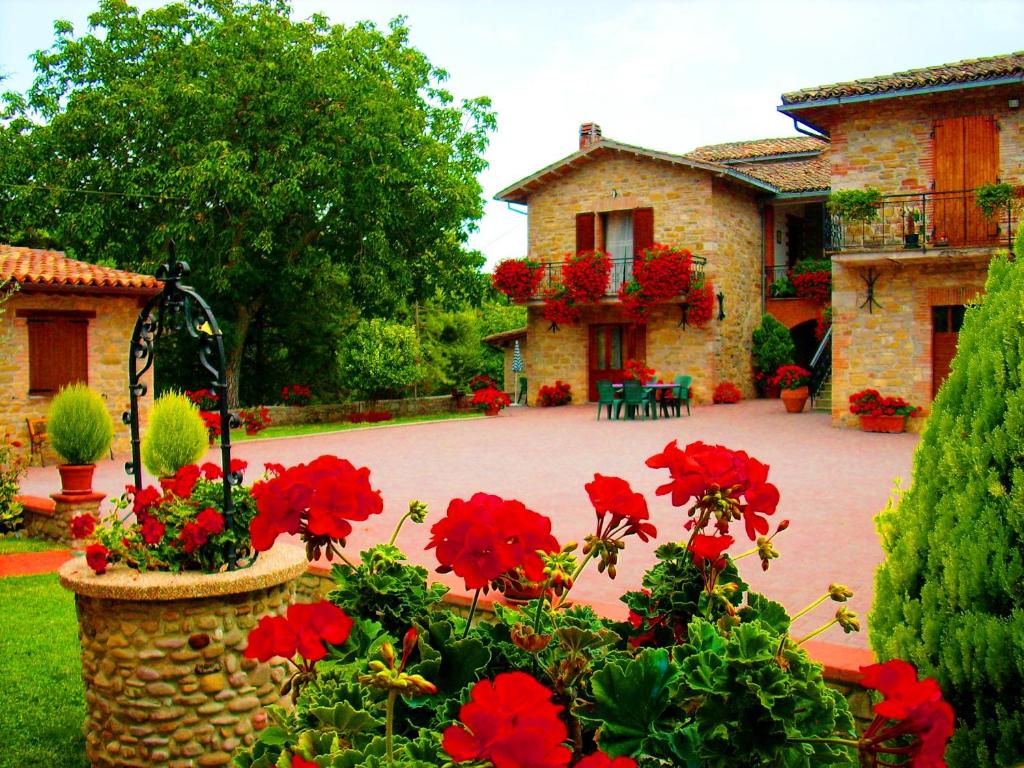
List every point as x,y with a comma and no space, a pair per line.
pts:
772,346
176,435
79,426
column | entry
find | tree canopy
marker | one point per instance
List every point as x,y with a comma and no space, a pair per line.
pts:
302,167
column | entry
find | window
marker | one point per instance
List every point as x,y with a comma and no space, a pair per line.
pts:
618,234
57,349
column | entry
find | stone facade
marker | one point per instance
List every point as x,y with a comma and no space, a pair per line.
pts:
109,335
166,682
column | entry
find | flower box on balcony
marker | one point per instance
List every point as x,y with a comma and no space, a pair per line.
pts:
890,424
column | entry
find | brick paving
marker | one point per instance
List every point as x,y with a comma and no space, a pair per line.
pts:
31,563
832,483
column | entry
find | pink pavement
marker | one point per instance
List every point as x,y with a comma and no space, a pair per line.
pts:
833,482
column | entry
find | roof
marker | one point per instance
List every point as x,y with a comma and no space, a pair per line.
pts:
758,148
522,189
799,175
504,338
34,269
989,70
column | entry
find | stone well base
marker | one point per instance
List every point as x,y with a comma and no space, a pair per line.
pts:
166,683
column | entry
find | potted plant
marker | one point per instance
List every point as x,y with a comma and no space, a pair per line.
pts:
585,276
81,431
781,288
911,237
518,279
490,400
812,279
726,393
880,413
993,197
792,381
177,435
772,347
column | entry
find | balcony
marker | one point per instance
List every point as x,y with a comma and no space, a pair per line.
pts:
922,221
622,272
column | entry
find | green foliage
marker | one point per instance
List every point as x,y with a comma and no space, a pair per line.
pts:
993,197
949,597
855,204
380,358
78,424
331,173
782,288
175,435
12,468
773,346
807,266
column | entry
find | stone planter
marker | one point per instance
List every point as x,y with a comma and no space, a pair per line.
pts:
166,683
891,424
794,399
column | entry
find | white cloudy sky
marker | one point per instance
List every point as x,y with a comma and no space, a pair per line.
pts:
668,75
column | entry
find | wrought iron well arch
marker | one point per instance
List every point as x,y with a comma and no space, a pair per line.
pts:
179,307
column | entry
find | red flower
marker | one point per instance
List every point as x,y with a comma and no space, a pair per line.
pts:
184,481
897,682
15,443
511,722
601,760
82,526
487,536
613,495
144,500
517,278
300,762
710,548
317,623
761,496
238,466
192,537
96,557
211,471
273,636
152,530
211,521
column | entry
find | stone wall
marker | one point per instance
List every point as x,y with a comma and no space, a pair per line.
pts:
109,335
890,348
332,413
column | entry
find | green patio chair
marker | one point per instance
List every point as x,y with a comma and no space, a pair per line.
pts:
521,398
634,398
680,396
606,397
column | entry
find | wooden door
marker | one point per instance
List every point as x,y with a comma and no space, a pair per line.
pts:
946,323
966,156
610,346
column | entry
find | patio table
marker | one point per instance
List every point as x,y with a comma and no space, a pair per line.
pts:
656,386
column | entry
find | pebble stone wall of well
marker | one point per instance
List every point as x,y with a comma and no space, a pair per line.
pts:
166,682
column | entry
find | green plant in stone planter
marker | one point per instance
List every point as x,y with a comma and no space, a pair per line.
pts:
176,435
855,204
81,431
993,197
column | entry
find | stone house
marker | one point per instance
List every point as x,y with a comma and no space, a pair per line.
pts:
66,321
925,139
622,199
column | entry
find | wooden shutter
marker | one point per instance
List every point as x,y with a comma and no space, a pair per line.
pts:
57,353
981,166
966,156
585,232
643,231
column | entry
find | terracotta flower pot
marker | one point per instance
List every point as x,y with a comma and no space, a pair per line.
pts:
891,424
493,411
794,399
76,479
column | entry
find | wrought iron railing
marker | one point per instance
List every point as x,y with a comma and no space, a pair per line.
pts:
622,272
922,220
821,365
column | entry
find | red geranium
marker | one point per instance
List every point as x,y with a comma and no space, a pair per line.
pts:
211,471
273,636
628,509
710,549
152,530
601,760
96,557
664,272
300,762
212,421
82,526
304,630
184,481
487,536
585,276
816,286
700,304
517,278
211,521
559,307
192,537
726,392
559,393
510,722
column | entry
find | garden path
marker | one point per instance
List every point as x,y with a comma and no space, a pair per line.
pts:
832,483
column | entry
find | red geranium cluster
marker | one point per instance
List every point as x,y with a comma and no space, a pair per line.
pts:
370,417
823,322
558,393
82,526
870,402
909,708
726,392
517,278
816,286
637,370
490,399
585,276
791,377
486,537
212,421
664,272
316,500
559,307
510,722
205,399
296,394
482,381
700,304
255,419
304,630
635,304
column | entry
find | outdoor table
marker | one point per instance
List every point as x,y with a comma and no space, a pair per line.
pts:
648,387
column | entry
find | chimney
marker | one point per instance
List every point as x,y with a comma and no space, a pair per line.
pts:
590,133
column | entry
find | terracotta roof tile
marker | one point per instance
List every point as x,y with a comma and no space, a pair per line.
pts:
37,269
803,175
971,70
742,150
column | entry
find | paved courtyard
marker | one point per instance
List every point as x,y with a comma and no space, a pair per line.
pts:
832,483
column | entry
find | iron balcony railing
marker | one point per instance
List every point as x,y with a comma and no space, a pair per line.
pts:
622,272
922,220
821,365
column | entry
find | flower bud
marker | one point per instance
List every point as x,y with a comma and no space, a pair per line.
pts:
409,642
783,525
839,592
387,652
417,511
847,620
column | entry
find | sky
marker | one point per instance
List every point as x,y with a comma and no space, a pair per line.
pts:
669,75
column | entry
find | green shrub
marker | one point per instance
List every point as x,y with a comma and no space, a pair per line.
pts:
855,204
993,197
380,358
773,346
79,426
808,266
176,435
949,596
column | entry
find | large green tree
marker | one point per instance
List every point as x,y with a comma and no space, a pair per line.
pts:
296,164
950,595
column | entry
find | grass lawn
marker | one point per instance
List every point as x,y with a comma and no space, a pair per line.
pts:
311,429
40,665
10,546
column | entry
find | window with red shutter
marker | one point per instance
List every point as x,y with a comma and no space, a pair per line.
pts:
585,232
643,231
57,351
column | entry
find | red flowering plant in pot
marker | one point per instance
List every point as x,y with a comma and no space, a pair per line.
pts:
881,413
550,395
255,420
518,279
726,392
560,308
296,394
490,400
793,381
585,276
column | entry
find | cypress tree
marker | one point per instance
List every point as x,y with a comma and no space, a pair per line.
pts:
950,596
